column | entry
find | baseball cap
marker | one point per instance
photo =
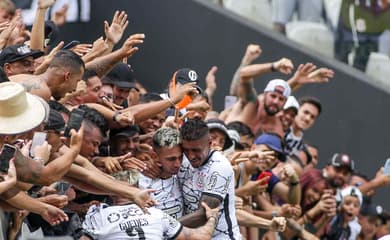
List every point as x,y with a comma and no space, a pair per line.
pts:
121,76
125,132
220,125
291,103
186,75
352,191
278,85
342,160
235,137
370,209
56,121
274,142
17,52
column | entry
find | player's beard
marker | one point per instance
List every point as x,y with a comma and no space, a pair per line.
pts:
269,111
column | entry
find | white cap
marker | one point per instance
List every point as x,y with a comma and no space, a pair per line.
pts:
278,85
291,103
352,191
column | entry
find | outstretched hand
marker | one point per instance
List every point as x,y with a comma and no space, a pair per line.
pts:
114,32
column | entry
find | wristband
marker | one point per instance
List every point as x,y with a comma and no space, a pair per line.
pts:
293,184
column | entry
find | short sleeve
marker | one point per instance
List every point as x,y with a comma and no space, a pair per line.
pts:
171,227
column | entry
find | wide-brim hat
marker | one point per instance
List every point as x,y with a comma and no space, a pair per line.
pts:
19,111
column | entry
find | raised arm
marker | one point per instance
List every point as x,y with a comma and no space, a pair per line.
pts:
114,32
38,29
308,73
104,64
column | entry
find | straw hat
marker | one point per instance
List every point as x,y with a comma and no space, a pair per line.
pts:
19,111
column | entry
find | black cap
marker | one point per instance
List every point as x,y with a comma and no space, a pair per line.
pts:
18,52
126,132
121,76
56,121
51,33
371,210
342,160
186,75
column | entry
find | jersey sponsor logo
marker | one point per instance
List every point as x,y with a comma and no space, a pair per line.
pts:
113,217
131,212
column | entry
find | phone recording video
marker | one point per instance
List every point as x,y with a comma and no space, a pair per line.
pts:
7,153
75,120
38,139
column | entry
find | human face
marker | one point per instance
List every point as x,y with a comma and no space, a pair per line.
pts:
127,144
265,164
120,94
170,160
4,15
246,141
94,92
288,118
217,138
337,177
313,194
273,102
91,141
152,124
108,92
306,116
314,155
54,139
369,225
350,207
197,151
24,66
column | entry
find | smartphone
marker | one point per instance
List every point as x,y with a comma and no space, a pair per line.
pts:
71,44
75,120
263,175
38,139
7,153
62,187
230,101
386,170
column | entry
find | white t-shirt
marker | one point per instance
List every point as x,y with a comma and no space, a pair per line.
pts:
216,178
168,194
129,222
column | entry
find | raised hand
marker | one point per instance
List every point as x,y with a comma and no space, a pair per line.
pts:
76,139
82,49
142,199
182,90
44,4
283,65
211,85
59,17
321,75
129,47
118,25
253,51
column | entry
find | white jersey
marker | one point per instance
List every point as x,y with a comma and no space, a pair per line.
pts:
293,144
129,222
216,178
168,194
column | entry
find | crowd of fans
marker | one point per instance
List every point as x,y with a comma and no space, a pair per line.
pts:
88,153
358,27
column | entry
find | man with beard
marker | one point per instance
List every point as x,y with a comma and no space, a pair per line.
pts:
339,170
266,106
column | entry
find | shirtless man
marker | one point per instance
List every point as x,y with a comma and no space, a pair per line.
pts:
261,112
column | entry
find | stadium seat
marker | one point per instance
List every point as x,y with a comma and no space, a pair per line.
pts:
378,67
315,36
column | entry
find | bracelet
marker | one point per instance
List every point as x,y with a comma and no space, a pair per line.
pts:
293,184
273,69
116,113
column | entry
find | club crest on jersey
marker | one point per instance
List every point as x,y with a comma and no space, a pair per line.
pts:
113,217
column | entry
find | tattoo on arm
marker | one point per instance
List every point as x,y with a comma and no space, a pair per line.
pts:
204,232
27,169
101,65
